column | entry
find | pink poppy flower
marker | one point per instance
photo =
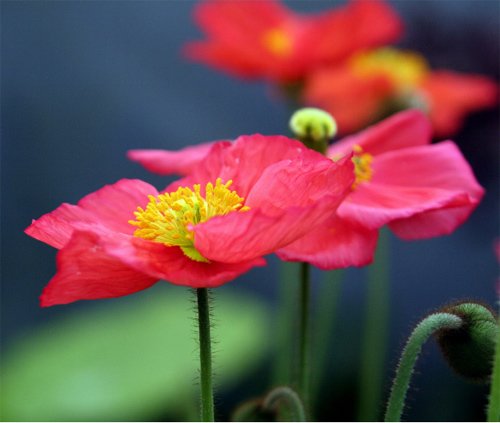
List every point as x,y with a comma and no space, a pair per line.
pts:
420,190
264,39
247,199
374,83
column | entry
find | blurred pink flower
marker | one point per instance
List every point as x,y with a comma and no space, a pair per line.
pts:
247,199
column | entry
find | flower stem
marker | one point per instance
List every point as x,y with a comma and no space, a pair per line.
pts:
304,352
324,326
420,334
494,399
375,332
207,396
291,397
285,331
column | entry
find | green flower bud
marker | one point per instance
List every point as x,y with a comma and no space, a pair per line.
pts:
314,127
470,349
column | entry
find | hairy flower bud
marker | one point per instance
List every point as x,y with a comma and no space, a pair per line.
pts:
470,349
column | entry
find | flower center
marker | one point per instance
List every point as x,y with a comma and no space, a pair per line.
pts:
169,218
278,42
404,68
362,166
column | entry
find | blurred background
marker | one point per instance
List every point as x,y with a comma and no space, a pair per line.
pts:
82,83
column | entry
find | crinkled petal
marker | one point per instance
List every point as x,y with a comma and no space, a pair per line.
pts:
242,236
172,265
412,181
244,160
335,245
165,162
301,182
453,95
86,272
404,129
111,206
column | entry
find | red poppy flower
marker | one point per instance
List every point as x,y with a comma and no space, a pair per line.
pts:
372,84
264,39
420,190
247,199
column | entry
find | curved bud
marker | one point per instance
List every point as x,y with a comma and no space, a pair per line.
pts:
470,349
314,127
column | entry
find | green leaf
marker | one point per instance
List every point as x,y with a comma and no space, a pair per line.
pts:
128,359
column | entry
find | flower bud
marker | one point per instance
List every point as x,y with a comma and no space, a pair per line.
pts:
314,127
470,349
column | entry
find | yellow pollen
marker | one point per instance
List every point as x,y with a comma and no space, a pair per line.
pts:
362,166
404,68
278,42
168,218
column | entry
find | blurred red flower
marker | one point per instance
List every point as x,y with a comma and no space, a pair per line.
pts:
201,232
374,84
264,39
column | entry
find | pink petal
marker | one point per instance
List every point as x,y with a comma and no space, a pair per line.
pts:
165,162
55,228
85,272
404,129
290,191
171,264
408,182
111,206
246,159
336,244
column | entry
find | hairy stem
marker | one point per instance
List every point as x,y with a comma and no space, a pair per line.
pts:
292,399
207,396
493,413
419,336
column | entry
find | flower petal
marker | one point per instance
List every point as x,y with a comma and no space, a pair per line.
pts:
171,264
354,101
244,160
111,206
408,182
335,245
404,129
85,272
453,95
165,162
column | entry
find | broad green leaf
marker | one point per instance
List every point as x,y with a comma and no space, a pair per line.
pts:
129,359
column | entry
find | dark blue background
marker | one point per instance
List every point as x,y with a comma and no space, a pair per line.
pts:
83,82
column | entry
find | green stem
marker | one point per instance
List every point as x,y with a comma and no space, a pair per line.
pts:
285,331
493,413
291,397
305,283
207,395
420,334
373,347
329,291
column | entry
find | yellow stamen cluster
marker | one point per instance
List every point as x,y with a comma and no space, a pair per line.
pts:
362,166
278,42
404,68
168,218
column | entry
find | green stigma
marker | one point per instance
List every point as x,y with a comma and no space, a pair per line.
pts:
314,127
